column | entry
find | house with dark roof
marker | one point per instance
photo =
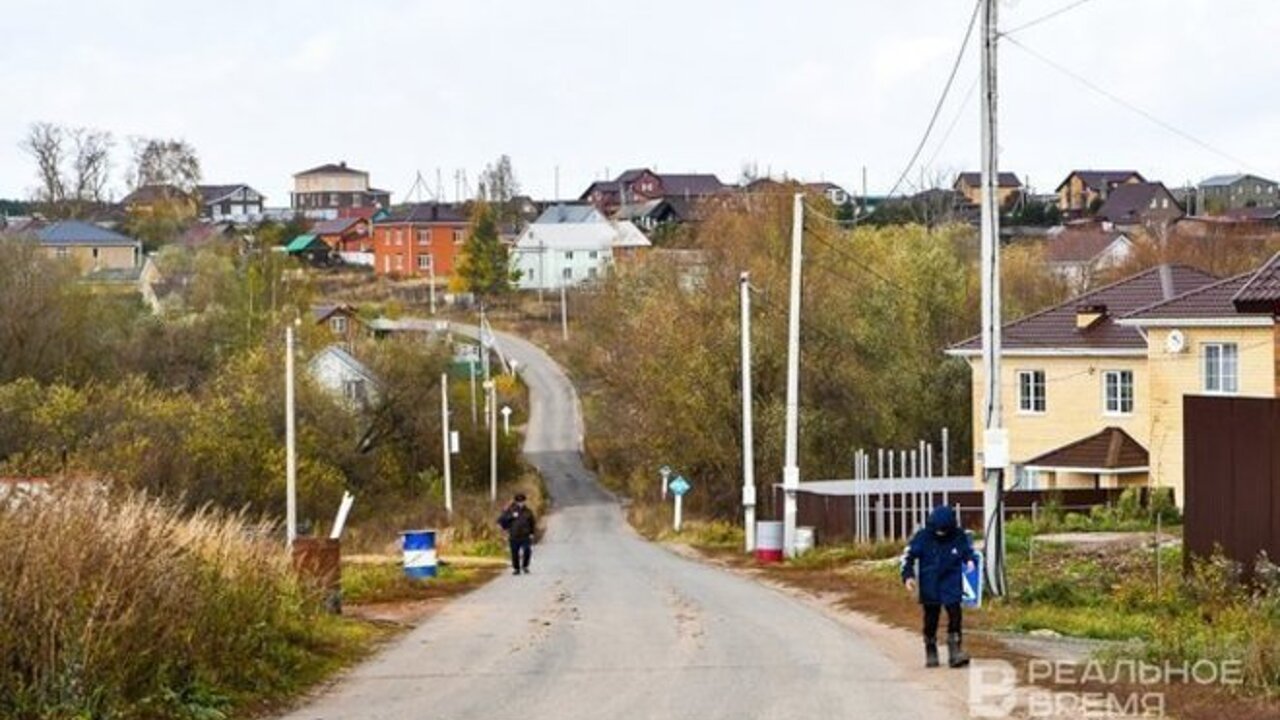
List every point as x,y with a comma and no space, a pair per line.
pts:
423,239
1240,190
1218,339
326,190
1078,252
1082,189
1078,394
90,247
345,234
1008,188
236,202
1143,204
642,184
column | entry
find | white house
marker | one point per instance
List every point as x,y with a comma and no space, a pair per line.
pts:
337,371
554,254
1078,253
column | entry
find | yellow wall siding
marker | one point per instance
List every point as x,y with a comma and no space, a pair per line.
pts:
1073,403
1173,376
114,257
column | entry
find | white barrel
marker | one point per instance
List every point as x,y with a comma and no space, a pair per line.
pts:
769,541
804,540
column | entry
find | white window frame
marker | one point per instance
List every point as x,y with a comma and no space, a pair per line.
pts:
1116,408
1228,384
338,324
1027,405
424,262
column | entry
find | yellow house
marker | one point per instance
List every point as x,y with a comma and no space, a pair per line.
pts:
1082,188
1008,188
1076,386
1217,340
90,247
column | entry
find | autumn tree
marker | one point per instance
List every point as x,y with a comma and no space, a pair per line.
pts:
171,170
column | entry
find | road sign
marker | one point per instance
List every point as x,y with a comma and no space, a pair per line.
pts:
972,583
679,486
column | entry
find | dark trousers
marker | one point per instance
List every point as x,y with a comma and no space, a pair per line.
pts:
521,551
933,612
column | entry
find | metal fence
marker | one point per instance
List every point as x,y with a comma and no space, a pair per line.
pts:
896,515
1231,476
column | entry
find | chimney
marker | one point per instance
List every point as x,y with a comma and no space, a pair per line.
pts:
1166,282
1088,316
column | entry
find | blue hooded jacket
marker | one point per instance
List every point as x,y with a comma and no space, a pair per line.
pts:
941,550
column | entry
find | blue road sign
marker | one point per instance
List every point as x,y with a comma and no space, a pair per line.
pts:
679,486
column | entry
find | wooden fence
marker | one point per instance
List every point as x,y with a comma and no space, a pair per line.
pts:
1231,476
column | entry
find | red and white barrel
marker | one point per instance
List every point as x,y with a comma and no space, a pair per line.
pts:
768,541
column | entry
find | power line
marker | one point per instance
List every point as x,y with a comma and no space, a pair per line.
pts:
1045,17
964,105
1130,106
937,109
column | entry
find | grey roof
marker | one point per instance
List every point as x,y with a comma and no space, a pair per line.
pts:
426,212
346,359
1232,179
1130,202
213,193
336,226
573,213
77,232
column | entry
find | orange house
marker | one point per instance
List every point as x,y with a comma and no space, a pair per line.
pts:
417,239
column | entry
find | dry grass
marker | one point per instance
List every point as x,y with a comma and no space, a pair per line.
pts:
128,608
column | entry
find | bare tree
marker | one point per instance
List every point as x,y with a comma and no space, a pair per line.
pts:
171,162
90,164
46,144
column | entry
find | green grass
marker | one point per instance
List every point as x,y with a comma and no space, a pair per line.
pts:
365,583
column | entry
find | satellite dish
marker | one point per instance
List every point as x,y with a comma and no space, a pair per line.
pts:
1176,342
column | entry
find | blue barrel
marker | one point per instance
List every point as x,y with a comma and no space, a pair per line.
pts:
419,553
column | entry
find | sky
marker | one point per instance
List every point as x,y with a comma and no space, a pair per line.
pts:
808,88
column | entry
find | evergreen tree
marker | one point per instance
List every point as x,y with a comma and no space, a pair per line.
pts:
485,265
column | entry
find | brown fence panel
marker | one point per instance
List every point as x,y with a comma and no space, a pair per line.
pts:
1231,471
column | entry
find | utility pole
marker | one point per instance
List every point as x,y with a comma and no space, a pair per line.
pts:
290,443
748,435
564,314
791,468
471,365
431,268
445,443
490,388
995,443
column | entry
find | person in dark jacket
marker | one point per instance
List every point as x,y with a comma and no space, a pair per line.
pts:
519,522
934,564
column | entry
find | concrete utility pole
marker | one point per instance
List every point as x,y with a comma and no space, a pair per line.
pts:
445,442
748,435
471,365
791,468
431,268
564,314
490,388
290,444
995,442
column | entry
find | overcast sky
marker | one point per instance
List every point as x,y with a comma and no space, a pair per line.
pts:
815,89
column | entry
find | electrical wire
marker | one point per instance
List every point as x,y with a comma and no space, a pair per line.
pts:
937,109
1045,17
1130,106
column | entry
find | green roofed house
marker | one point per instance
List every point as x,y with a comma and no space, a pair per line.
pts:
311,247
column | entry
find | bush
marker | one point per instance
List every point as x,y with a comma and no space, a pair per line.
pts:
127,608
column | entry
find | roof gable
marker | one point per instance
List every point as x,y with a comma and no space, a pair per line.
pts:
1111,449
1261,292
1130,202
1082,245
974,179
339,168
1098,180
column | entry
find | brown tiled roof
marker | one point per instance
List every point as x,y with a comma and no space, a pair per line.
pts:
1080,244
1101,179
336,226
1131,202
1111,449
1262,289
974,179
1210,301
1055,328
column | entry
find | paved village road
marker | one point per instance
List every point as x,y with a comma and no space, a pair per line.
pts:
611,626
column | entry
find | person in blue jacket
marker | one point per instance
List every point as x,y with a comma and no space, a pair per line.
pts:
934,564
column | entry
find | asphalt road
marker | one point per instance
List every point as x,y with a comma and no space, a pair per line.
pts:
611,626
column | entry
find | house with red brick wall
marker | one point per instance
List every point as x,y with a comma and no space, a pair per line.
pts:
420,239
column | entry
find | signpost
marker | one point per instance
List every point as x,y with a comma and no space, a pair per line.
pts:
506,420
679,486
665,472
